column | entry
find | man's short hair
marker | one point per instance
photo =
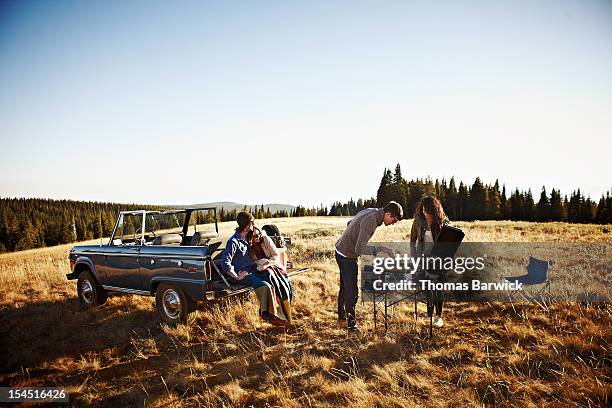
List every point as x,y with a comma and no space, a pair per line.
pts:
395,209
243,219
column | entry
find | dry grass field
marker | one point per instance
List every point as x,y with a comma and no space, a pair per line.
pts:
486,354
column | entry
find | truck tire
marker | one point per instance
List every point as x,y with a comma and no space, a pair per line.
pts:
89,292
172,304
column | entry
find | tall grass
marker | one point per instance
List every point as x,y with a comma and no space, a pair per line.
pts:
487,354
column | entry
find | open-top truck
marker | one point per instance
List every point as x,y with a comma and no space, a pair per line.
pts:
173,255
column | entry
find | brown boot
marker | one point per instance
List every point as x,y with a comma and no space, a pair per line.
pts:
286,306
273,320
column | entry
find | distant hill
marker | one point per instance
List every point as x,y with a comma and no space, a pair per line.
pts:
230,205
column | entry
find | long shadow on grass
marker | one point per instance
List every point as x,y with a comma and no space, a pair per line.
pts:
43,332
51,342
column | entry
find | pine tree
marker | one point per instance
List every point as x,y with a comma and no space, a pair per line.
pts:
383,195
399,188
108,223
607,219
543,207
449,202
477,201
600,215
494,208
462,202
416,191
529,207
10,229
97,226
556,206
80,230
65,229
587,211
573,206
28,238
603,213
517,206
429,187
503,203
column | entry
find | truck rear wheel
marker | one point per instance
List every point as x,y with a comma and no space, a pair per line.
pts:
90,293
172,304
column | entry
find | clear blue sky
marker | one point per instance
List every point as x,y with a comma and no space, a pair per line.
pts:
300,102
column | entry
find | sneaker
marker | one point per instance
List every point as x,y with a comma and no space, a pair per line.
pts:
354,331
342,323
438,322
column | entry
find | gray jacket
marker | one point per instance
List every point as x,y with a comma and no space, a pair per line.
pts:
359,230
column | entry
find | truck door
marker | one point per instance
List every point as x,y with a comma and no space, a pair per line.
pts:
167,256
121,262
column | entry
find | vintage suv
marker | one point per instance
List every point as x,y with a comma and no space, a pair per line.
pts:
173,255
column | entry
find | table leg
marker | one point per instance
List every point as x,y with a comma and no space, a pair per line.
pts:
386,317
374,305
416,316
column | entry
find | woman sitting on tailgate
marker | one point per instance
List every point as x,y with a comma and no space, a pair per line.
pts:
237,263
264,253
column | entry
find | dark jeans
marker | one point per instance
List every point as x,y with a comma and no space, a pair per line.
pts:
348,293
435,299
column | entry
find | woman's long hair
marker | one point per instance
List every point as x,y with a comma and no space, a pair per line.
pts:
254,237
432,206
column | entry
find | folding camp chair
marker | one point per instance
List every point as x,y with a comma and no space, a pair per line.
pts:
537,274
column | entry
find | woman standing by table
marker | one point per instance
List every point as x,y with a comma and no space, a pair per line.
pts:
429,218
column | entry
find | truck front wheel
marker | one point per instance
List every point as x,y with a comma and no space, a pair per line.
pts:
172,304
90,293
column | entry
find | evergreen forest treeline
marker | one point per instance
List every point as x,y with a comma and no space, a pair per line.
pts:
27,223
480,201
